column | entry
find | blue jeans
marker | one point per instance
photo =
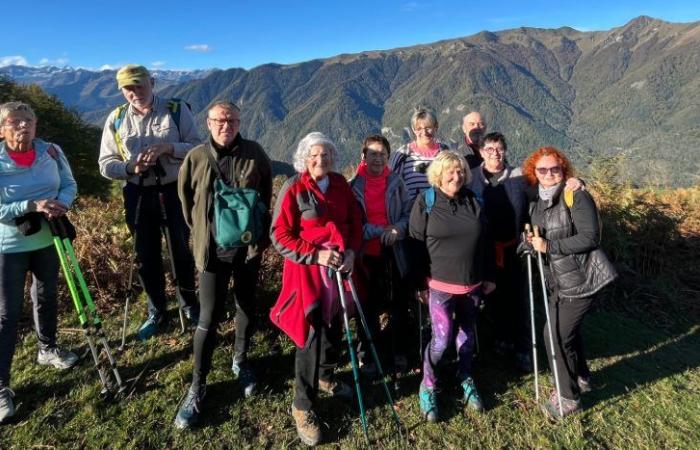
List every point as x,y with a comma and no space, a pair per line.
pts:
148,243
450,313
43,264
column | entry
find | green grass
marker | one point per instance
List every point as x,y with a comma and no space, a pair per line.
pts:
647,388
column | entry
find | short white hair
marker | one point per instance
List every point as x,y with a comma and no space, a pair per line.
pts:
304,148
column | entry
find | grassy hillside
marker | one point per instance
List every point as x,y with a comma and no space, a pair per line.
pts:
643,344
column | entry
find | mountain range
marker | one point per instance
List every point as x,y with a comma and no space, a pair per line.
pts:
632,91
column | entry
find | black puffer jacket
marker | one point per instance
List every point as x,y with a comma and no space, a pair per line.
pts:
572,235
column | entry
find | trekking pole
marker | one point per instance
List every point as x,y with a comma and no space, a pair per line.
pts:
87,313
134,261
353,356
373,349
392,319
169,244
540,265
532,320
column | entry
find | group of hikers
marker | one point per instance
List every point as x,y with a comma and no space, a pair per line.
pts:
443,226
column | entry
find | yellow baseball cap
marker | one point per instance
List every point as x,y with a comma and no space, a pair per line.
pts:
132,75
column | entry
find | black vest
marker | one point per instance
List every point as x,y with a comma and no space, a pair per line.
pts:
575,275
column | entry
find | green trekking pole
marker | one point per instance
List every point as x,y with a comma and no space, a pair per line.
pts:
373,349
353,356
87,313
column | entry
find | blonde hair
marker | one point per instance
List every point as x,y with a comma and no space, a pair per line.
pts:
446,160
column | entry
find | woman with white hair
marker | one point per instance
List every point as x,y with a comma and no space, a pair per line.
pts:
316,225
447,219
36,185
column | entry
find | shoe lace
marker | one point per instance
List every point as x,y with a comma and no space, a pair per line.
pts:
470,390
193,399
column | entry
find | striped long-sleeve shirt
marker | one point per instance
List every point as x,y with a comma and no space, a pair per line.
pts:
411,166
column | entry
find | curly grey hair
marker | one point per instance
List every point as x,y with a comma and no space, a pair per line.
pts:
304,148
8,108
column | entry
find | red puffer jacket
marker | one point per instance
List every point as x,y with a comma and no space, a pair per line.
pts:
307,220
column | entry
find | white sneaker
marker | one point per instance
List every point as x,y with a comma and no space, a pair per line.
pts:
7,406
57,357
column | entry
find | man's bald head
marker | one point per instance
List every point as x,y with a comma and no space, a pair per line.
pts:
474,127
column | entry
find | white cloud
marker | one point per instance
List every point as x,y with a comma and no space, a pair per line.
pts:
410,6
157,64
583,29
59,62
13,61
201,48
109,67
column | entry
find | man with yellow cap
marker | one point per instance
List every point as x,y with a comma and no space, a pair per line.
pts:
143,144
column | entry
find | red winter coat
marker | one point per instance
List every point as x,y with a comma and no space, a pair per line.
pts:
305,221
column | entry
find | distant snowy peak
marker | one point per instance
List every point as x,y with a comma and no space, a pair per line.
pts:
47,74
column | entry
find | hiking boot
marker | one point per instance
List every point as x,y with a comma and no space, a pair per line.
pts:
551,406
7,406
56,357
584,383
428,403
188,414
471,396
335,388
308,428
152,326
523,362
246,377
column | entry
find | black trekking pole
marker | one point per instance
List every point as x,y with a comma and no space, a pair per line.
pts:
372,347
540,265
388,255
87,313
532,320
134,261
169,244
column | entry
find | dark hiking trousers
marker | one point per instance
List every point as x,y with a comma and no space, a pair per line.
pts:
507,305
43,264
213,293
316,360
566,316
148,243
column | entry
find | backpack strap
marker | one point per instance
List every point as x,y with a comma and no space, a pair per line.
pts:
53,153
119,114
429,199
215,165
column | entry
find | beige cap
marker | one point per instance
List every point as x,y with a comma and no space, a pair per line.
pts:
132,75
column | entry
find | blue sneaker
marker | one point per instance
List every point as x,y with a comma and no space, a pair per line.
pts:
151,326
428,403
471,396
246,377
188,414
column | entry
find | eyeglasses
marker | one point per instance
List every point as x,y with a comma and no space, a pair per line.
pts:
493,150
375,154
17,123
554,170
425,129
220,122
476,124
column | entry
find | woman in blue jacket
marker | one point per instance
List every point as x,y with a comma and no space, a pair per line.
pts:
36,184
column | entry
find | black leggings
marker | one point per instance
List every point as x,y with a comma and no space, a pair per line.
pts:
213,291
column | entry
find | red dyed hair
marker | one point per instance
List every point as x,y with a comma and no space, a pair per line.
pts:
531,162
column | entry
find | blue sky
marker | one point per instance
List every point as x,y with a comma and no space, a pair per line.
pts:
241,33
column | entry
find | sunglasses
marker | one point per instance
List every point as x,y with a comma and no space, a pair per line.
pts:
555,170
